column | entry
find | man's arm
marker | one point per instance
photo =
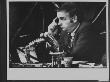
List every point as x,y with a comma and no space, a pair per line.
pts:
86,46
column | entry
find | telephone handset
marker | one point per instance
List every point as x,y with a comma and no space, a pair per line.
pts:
56,20
57,27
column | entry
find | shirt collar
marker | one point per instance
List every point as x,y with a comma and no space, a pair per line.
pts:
72,32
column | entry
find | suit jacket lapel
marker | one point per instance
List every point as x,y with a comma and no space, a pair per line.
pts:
79,30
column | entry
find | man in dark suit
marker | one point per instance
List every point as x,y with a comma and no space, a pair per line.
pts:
77,38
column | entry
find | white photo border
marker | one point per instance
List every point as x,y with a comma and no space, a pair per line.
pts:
101,74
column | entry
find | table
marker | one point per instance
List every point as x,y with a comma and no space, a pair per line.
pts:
75,64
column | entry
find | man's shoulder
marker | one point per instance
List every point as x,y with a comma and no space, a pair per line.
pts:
88,29
84,26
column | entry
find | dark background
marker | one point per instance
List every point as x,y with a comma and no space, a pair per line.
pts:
32,18
27,17
3,43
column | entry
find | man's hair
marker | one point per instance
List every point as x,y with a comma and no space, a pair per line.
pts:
70,8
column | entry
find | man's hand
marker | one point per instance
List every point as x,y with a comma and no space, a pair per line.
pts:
44,34
52,26
51,29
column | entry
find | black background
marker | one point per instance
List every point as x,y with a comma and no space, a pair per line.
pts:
26,18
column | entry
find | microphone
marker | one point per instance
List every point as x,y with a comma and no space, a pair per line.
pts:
23,36
56,5
28,35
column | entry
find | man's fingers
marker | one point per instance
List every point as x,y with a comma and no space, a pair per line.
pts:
52,26
54,19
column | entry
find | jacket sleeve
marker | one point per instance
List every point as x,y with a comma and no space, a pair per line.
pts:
81,44
86,47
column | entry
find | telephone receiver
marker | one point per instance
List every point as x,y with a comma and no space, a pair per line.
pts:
57,26
56,20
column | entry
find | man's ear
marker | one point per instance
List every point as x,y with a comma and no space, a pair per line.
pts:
74,18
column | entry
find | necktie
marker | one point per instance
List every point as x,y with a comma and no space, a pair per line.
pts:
72,39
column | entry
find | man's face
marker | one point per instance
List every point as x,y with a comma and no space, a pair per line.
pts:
64,20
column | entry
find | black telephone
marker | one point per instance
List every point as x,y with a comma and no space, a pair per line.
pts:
57,20
57,27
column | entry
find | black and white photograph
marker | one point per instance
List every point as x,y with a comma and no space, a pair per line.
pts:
57,35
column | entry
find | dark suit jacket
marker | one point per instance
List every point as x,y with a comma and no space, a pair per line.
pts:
88,45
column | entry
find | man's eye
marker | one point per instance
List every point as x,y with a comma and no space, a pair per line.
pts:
62,18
